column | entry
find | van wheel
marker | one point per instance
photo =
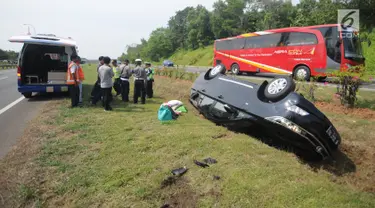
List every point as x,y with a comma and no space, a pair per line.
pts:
235,68
27,94
302,73
279,88
213,72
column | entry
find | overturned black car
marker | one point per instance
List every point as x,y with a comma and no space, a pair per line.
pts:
274,107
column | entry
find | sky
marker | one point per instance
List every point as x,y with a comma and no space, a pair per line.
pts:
99,27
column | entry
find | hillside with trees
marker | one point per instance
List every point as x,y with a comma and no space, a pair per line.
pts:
195,27
8,55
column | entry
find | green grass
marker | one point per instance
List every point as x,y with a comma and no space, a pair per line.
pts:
93,158
199,57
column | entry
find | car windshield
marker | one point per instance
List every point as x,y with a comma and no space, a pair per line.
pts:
352,45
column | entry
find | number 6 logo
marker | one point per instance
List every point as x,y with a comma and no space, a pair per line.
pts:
347,18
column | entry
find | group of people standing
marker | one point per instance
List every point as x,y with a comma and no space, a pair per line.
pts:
113,76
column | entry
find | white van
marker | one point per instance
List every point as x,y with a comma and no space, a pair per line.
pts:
43,63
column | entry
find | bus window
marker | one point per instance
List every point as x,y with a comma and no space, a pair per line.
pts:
264,41
222,45
237,44
301,38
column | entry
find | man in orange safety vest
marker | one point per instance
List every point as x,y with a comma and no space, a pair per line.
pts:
72,80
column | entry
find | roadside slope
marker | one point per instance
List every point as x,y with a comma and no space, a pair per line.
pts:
120,159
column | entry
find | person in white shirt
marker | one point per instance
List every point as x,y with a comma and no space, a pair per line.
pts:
106,83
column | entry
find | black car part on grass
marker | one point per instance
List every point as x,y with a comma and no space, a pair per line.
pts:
273,107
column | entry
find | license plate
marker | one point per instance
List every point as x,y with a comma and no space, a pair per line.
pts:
49,89
64,89
333,134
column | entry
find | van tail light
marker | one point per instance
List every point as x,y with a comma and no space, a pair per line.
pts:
19,72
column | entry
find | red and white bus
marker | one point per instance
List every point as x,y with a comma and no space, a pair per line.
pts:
300,51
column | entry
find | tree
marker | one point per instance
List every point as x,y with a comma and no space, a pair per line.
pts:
199,27
229,18
3,55
159,45
178,26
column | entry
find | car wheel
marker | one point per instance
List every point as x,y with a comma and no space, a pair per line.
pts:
27,94
235,68
302,73
212,73
279,88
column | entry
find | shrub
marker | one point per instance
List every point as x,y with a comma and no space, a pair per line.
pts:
349,82
307,89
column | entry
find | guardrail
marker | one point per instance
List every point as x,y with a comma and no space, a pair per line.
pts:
8,66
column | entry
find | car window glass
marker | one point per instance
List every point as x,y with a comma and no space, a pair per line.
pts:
206,102
301,38
219,111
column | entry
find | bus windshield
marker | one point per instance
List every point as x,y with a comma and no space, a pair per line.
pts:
352,46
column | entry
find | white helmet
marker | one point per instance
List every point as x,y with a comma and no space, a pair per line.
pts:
138,60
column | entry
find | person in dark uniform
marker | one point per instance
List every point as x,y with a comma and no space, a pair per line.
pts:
150,79
96,90
125,74
140,77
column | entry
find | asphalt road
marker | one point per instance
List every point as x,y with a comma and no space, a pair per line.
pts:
15,111
200,69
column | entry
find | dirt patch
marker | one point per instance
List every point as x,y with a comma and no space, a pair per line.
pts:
180,195
363,113
364,159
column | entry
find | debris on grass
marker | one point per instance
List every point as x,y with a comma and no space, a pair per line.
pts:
166,206
168,181
210,160
219,136
179,171
216,177
203,165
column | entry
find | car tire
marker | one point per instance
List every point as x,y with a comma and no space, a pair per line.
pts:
213,72
279,88
27,94
302,73
235,69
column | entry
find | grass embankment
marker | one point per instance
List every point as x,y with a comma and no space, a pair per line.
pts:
200,57
86,157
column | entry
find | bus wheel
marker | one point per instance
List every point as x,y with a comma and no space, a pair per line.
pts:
27,94
302,73
235,69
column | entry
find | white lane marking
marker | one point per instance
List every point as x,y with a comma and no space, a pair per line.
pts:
235,82
11,105
1,78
